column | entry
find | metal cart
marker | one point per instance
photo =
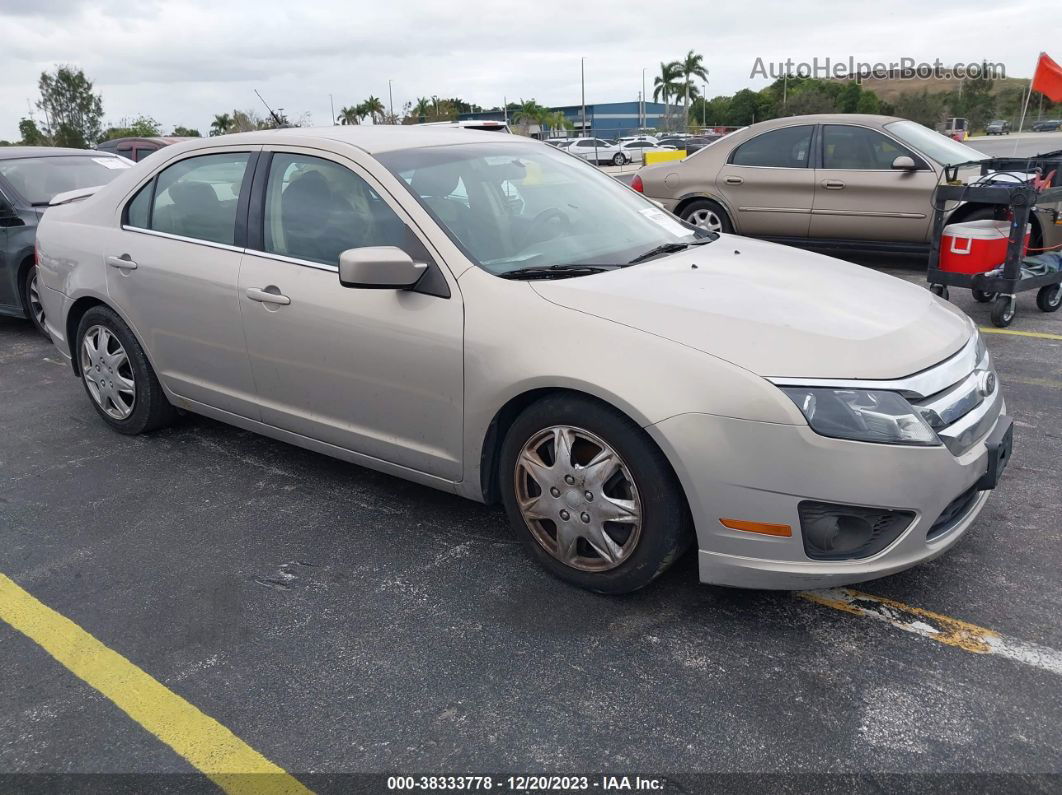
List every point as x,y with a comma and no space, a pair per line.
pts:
1020,198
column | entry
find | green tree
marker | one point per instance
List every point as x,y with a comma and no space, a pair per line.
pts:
923,107
185,132
849,97
72,112
31,134
665,86
868,103
373,107
349,115
222,124
140,127
690,67
529,112
422,109
555,121
748,107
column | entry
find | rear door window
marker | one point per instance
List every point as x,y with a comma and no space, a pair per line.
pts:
788,147
197,197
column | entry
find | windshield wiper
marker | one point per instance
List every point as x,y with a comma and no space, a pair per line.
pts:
555,271
667,248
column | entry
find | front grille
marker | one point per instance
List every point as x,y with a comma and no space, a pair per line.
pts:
964,411
954,513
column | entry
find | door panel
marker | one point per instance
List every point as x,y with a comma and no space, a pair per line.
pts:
859,196
374,371
182,299
768,184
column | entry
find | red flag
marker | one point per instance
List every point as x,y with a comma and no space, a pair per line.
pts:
1048,78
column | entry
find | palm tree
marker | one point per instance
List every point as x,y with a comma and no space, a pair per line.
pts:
373,107
222,124
690,67
349,115
530,112
665,85
422,109
556,121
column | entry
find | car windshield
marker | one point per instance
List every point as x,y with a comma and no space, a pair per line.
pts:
515,205
944,150
38,179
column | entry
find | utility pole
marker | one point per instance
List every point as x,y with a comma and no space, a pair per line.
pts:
645,119
391,101
704,107
582,80
505,108
332,105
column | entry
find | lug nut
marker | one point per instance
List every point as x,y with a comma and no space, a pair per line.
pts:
585,517
589,496
565,515
569,479
555,491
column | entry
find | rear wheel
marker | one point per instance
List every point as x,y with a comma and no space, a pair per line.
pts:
117,376
618,159
706,214
1003,311
31,300
591,496
1049,297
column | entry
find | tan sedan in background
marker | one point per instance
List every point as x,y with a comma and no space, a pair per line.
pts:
841,180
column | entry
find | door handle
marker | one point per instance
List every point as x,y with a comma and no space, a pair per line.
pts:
832,184
733,180
124,263
266,297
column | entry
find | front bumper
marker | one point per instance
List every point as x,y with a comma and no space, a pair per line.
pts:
760,472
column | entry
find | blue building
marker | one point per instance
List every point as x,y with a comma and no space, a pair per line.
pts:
604,119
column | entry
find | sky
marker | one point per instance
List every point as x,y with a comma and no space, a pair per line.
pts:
182,61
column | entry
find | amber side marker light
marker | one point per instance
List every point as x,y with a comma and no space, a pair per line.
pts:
763,528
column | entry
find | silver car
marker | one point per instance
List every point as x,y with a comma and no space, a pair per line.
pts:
490,317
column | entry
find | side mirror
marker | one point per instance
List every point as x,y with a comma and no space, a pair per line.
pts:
380,268
8,216
904,163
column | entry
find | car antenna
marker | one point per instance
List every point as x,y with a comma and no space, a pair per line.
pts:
276,118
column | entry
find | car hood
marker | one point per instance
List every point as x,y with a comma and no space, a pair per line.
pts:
775,310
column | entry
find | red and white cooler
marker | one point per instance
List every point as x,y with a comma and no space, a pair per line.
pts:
976,246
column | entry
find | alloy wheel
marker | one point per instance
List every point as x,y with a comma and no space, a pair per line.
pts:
578,498
706,219
108,373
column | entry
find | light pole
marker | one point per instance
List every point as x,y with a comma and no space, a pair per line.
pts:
645,121
582,80
391,101
332,105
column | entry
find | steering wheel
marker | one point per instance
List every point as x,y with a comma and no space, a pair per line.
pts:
539,224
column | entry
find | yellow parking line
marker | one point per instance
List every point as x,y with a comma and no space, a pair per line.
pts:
938,627
206,744
1041,335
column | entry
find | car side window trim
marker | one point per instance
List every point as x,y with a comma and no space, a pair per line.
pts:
240,230
811,148
921,162
432,283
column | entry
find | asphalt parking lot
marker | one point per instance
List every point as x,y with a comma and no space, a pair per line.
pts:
340,620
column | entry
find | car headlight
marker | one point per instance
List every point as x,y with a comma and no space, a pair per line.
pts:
862,414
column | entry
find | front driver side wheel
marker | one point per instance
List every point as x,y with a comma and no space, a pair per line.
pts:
591,496
117,376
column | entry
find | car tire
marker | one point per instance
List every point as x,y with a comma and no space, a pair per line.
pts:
707,214
31,300
618,159
559,506
1049,297
119,380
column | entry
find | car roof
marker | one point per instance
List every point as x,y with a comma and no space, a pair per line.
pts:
828,118
163,139
16,152
372,138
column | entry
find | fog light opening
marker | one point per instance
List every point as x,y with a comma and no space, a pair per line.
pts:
846,532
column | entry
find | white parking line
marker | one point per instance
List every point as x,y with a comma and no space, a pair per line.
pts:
938,627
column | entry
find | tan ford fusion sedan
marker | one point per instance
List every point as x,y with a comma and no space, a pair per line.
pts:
488,316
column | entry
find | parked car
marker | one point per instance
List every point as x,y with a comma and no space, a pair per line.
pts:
487,125
1047,125
136,149
635,150
839,181
30,177
998,127
628,138
694,143
596,150
387,300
